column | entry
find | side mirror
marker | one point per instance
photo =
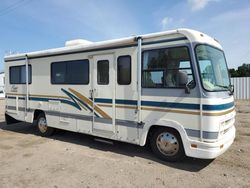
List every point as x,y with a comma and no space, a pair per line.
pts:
231,89
187,89
189,86
183,81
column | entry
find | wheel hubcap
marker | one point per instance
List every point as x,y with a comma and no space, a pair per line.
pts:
167,144
42,125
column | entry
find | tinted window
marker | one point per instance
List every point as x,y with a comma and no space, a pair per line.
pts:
15,75
103,72
18,74
70,72
168,67
59,72
124,70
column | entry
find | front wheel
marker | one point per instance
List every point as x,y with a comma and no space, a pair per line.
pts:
167,145
42,126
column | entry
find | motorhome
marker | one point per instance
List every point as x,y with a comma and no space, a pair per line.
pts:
169,89
1,85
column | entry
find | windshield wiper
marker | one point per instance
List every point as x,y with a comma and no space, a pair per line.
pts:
230,88
226,87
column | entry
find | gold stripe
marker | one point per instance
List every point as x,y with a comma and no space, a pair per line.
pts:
118,106
105,105
218,113
123,106
89,102
55,96
171,111
189,112
33,95
15,94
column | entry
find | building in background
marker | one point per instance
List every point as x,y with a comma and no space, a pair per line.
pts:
241,87
2,85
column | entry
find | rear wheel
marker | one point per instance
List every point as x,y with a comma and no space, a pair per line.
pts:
167,145
42,126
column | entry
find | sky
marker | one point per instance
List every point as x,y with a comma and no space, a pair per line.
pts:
31,25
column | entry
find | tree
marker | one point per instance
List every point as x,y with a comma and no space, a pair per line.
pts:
242,71
233,73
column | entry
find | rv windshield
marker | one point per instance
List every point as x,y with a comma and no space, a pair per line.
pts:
213,68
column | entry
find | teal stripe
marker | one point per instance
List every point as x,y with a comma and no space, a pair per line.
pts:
189,106
218,107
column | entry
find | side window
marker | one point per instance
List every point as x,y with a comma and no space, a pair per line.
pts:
70,72
103,72
58,71
185,67
166,68
15,75
18,74
78,72
124,70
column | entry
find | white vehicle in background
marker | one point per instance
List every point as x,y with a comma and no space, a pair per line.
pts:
2,85
171,89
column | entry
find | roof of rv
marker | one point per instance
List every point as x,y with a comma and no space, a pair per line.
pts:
78,45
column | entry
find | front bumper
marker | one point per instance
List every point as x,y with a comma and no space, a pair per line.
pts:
204,150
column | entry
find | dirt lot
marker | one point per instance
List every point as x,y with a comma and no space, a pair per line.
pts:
75,160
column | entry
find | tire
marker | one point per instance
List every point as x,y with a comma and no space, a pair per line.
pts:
167,145
42,126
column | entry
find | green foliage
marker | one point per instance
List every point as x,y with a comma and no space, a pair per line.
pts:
242,71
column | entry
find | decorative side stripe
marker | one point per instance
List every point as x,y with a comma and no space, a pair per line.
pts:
127,102
72,97
218,113
218,106
48,99
126,123
90,103
171,110
62,99
171,105
127,107
147,105
101,100
188,106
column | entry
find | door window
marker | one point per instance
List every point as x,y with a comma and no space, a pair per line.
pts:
103,72
124,70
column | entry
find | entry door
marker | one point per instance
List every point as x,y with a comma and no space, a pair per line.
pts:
17,105
103,94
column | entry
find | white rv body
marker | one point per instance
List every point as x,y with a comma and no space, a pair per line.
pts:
124,112
2,93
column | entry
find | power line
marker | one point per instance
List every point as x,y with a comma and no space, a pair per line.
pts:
13,7
10,6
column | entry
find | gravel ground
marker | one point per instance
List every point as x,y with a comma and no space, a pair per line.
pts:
75,160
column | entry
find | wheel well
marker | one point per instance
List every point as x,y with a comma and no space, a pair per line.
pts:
153,128
37,113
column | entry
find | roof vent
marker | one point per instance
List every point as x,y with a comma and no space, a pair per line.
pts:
77,42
